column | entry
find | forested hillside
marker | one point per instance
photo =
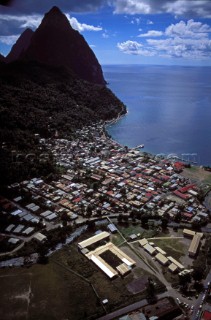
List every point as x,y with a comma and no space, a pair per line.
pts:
41,99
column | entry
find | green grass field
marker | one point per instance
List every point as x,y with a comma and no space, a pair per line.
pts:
129,229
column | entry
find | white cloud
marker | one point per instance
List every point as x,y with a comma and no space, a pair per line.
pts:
9,40
134,48
190,29
151,33
131,7
33,21
129,46
198,8
25,21
105,35
182,48
189,40
184,40
201,8
136,21
150,22
82,26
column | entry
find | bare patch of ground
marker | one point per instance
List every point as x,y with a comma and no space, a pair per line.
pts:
138,285
197,174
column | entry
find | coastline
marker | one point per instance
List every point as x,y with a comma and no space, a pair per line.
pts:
154,115
101,129
194,179
108,123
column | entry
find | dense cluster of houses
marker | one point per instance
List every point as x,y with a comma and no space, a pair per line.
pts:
101,178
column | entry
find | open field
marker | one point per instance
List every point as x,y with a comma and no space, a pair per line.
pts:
173,247
203,179
197,174
45,292
129,229
117,239
68,287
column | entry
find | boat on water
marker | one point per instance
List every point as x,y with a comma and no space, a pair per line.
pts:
139,147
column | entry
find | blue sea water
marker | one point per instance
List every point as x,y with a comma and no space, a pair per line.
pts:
169,109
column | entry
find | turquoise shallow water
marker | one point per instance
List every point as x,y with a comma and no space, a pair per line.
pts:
169,109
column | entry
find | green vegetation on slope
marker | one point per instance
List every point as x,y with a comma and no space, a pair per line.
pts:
40,99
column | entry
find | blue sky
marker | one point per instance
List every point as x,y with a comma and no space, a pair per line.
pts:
170,32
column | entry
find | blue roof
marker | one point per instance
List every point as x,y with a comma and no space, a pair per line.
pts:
112,227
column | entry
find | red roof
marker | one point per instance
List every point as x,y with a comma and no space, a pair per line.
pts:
148,195
206,315
179,165
186,188
138,175
164,177
187,215
77,200
181,195
156,180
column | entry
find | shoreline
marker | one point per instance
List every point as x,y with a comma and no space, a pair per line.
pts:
207,199
165,156
101,129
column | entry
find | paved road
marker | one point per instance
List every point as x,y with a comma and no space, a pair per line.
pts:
130,308
124,310
142,258
199,300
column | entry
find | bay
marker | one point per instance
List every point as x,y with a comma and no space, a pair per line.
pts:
169,109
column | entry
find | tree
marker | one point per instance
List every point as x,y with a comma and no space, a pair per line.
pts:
198,269
150,288
64,223
123,191
144,219
95,186
196,225
89,210
178,217
42,251
201,195
164,223
125,218
184,280
91,225
99,212
120,217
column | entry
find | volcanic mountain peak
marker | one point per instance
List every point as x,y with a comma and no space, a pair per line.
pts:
56,43
55,18
20,46
54,10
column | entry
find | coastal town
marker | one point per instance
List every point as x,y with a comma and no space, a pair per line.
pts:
101,187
